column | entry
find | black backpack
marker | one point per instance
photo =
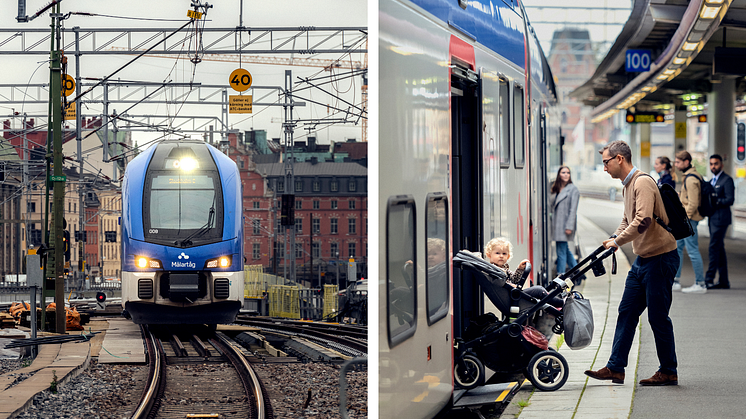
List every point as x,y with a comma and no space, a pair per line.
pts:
706,198
678,223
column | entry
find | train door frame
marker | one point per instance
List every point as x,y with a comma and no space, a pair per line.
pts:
545,268
466,188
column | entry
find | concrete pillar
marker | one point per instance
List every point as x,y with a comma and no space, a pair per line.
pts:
645,164
679,136
721,117
721,121
633,144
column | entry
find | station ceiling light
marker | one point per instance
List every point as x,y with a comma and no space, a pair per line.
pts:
700,20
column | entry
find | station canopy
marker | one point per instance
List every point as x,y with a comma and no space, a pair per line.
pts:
692,44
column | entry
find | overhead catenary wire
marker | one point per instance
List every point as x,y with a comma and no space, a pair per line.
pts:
132,61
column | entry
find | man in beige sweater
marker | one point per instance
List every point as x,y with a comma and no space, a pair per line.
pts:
690,197
651,276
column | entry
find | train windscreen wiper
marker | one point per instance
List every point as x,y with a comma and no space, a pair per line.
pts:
208,225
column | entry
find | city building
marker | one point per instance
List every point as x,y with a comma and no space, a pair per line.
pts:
572,60
94,247
330,205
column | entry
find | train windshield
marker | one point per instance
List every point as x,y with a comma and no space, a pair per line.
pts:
182,199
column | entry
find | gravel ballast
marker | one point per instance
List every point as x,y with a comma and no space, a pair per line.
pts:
112,391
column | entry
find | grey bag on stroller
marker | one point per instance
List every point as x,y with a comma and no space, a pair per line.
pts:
578,321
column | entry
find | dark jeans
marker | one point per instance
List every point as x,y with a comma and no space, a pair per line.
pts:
648,286
718,261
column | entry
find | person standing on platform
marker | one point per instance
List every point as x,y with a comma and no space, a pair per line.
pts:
662,166
649,281
718,223
690,195
564,204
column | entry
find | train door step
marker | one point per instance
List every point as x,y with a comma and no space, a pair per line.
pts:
487,394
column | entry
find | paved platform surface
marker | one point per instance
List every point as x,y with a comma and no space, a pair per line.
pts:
122,344
63,361
709,342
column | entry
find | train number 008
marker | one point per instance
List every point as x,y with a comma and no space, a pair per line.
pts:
153,231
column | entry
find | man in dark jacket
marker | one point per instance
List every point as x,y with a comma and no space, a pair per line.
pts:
719,222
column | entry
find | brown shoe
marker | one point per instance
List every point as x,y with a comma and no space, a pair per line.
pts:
661,379
606,374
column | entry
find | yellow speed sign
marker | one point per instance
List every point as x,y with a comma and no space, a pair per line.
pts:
68,85
240,80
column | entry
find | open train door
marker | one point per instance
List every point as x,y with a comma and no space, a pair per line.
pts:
545,270
466,189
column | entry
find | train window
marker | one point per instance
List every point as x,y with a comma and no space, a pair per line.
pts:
437,283
519,125
182,204
401,275
504,112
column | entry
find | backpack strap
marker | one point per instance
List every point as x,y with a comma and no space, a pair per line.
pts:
658,219
683,183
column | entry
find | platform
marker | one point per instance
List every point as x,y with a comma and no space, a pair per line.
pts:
64,361
707,331
122,344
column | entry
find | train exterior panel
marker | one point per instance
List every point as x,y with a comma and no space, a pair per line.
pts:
182,234
466,112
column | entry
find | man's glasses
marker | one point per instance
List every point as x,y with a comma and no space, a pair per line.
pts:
606,162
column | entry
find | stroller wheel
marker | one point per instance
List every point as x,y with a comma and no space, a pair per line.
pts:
547,370
471,374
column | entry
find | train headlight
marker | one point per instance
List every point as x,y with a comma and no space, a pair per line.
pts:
186,164
145,262
221,262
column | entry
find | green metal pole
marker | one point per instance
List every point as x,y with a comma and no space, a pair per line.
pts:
49,259
55,90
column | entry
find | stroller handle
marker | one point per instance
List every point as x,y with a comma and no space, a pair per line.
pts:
600,253
526,273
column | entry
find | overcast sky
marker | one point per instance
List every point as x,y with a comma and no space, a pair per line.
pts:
225,14
603,19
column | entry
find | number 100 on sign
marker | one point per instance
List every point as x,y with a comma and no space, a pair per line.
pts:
638,60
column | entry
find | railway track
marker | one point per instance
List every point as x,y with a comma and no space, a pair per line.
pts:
334,336
201,373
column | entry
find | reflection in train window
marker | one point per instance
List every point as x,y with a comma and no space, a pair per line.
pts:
401,275
519,127
437,284
504,125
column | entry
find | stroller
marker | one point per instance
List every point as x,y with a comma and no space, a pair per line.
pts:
518,342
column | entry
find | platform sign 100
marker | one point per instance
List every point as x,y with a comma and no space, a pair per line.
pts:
637,60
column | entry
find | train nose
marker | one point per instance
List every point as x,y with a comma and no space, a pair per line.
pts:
180,287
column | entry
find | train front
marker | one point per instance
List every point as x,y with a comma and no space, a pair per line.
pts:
182,236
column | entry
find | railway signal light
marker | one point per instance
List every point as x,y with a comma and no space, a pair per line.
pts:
66,242
741,142
100,299
287,210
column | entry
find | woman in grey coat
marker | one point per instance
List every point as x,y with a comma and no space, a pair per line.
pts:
564,204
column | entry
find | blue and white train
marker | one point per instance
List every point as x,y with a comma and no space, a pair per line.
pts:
468,130
182,236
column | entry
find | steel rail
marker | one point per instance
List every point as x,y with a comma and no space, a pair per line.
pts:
344,338
263,412
150,394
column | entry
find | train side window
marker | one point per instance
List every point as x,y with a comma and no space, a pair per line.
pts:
503,109
401,275
437,279
519,134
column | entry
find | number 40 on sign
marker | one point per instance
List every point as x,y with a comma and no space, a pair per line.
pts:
240,80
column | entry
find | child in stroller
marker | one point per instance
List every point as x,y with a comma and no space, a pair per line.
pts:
512,344
499,251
